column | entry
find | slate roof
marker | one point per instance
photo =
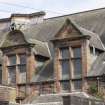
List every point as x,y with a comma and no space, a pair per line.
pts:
98,67
42,30
48,29
92,20
44,74
90,23
40,48
94,40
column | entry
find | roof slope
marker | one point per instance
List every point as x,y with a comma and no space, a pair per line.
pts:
16,37
87,21
98,67
48,29
45,74
93,20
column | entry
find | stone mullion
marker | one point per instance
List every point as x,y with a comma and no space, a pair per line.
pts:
71,72
17,74
57,70
17,69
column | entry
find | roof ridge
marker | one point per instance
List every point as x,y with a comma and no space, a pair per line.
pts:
90,10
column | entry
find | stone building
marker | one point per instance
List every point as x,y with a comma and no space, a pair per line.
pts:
63,54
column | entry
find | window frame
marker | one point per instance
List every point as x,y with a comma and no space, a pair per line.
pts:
22,65
73,85
17,70
63,90
61,60
73,59
70,60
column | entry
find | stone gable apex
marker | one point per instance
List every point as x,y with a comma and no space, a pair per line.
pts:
68,29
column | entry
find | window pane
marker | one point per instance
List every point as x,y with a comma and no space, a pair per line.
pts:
22,69
65,69
46,88
23,59
76,52
12,75
77,84
12,60
77,67
65,85
64,52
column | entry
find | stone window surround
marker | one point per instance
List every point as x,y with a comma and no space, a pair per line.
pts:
16,65
71,73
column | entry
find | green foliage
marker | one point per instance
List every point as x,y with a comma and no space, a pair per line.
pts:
93,90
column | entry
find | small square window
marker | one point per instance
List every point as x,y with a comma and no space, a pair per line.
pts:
76,52
12,75
12,60
22,75
22,59
77,84
64,53
65,69
77,68
65,85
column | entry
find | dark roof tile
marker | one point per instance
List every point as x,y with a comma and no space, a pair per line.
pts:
98,67
45,74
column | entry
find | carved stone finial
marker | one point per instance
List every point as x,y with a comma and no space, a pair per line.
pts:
13,26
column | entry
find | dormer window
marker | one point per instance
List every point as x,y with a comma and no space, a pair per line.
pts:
65,68
16,64
70,59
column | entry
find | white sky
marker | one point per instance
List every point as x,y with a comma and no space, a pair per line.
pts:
52,7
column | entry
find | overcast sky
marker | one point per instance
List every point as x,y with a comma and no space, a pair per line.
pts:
52,7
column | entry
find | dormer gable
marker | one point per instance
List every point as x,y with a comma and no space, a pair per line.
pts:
13,38
69,30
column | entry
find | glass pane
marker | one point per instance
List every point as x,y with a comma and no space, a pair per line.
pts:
77,67
65,85
76,52
22,69
12,60
23,59
64,52
77,84
65,69
12,75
